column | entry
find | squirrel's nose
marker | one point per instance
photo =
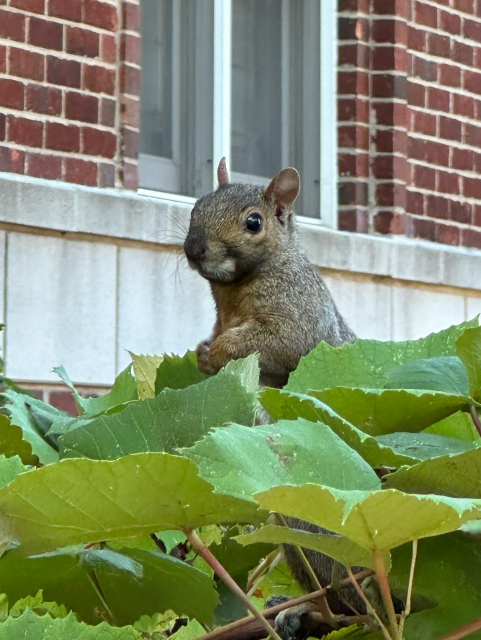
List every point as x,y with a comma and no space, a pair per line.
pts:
194,248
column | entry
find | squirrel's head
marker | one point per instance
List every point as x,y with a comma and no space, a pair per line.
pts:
235,230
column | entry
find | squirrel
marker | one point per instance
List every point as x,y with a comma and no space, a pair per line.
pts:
269,300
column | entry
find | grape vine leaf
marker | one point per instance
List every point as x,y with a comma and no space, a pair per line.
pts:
145,371
468,348
13,444
459,425
178,372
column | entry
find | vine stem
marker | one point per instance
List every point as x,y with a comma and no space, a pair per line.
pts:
212,561
475,417
381,575
462,632
92,576
369,607
407,610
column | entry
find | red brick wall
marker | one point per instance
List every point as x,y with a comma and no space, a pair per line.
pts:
69,90
410,118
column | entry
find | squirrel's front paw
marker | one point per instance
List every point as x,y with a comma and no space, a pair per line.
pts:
202,352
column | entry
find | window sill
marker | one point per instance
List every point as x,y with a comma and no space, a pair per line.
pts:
35,205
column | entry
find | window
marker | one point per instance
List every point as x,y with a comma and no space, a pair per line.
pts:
240,78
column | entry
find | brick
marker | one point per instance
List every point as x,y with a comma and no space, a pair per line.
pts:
450,128
383,167
450,75
46,34
25,132
472,30
100,14
384,30
389,86
108,48
34,6
417,39
130,143
438,99
425,69
353,137
467,6
130,80
11,94
415,202
448,182
12,160
429,151
353,220
130,176
382,221
463,159
44,166
416,94
436,207
447,234
41,99
106,175
347,54
63,72
424,123
81,107
471,238
463,53
424,177
477,215
472,135
472,188
130,49
3,59
98,143
80,172
131,16
62,137
463,105
472,81
353,193
63,400
449,22
477,163
26,64
130,111
107,112
460,211
12,25
348,82
67,9
425,14
424,228
83,42
99,79
3,126
438,45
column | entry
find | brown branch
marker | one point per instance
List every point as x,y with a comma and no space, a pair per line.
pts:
463,631
407,609
381,575
249,629
369,607
475,417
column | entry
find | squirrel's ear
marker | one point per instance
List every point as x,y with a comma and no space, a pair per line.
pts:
222,173
284,188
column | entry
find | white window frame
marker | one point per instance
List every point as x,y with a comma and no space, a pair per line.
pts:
214,142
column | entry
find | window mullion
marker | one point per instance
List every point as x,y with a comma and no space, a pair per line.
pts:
285,86
222,82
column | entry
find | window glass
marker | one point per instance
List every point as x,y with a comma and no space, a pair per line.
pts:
256,87
156,92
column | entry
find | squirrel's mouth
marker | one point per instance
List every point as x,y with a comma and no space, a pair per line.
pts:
216,272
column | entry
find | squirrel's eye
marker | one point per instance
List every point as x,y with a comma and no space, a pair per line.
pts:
254,222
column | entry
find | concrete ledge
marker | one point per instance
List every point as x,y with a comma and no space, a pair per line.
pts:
117,214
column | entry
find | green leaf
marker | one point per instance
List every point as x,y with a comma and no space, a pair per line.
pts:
145,372
38,606
468,348
81,501
279,581
364,363
153,581
157,623
460,425
171,420
123,390
10,468
242,461
22,416
448,571
424,446
32,627
178,372
190,632
376,520
12,443
444,373
283,405
353,633
247,369
454,475
382,411
341,549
